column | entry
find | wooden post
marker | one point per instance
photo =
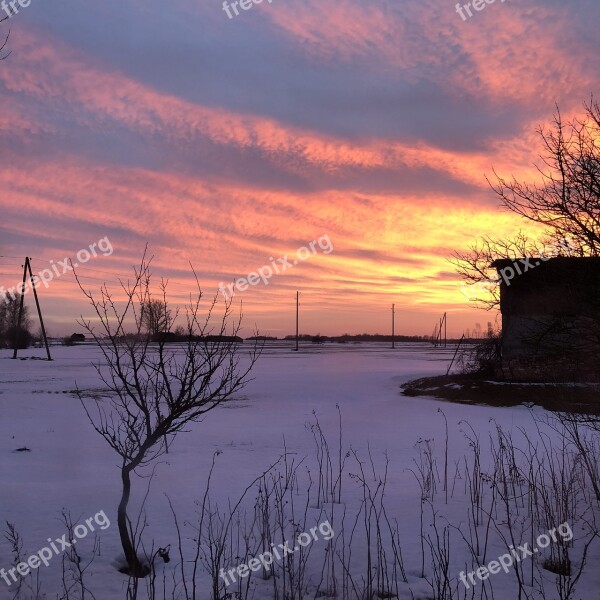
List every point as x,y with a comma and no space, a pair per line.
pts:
441,329
39,310
297,305
445,330
393,317
455,353
27,269
18,328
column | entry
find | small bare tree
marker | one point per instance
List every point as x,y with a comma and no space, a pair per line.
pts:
155,315
157,389
10,332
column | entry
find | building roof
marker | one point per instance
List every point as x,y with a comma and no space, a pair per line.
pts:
556,261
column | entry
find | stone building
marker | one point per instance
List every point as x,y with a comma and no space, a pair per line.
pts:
550,319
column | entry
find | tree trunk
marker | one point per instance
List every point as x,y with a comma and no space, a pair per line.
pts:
135,568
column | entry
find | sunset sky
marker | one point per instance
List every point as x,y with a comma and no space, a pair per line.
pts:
225,142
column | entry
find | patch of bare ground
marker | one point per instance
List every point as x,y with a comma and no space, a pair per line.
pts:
475,389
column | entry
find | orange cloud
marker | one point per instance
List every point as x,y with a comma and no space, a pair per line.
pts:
390,244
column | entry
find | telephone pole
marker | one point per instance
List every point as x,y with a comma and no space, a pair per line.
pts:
445,318
26,269
393,318
297,305
443,329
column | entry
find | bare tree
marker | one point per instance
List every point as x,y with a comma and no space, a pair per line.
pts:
156,389
156,317
475,265
9,321
566,201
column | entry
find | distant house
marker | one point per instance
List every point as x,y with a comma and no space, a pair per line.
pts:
550,318
77,338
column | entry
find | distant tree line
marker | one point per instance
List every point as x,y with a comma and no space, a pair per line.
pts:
361,337
157,325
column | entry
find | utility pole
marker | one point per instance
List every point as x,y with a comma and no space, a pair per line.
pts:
393,317
26,269
445,330
18,328
297,305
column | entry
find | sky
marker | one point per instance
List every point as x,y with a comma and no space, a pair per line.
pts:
364,127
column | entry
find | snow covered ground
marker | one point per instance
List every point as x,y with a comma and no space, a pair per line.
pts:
71,467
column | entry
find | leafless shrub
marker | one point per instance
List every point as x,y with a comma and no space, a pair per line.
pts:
157,390
74,566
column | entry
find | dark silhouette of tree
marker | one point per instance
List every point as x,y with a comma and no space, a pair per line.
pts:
474,265
156,317
156,390
9,319
566,202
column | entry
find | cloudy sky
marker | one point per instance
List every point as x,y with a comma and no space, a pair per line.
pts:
226,142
